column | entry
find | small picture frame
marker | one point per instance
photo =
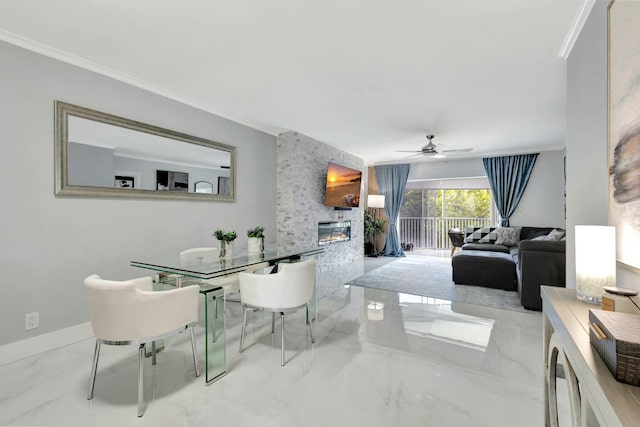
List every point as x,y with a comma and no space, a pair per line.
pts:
127,179
172,181
123,181
224,185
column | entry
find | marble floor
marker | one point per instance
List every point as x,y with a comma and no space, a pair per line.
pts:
380,359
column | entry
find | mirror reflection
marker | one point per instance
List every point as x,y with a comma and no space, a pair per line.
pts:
203,187
105,155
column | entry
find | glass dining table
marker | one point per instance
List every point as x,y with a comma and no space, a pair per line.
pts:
193,270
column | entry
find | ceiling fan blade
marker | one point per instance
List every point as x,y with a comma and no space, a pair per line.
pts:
458,150
408,151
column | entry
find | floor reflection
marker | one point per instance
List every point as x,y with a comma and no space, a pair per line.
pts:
421,318
380,358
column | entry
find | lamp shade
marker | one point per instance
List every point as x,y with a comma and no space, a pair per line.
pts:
375,311
595,261
375,201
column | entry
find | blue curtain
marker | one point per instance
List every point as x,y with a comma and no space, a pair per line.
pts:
508,178
392,181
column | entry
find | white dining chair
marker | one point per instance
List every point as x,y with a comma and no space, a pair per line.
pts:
229,283
199,255
130,312
290,288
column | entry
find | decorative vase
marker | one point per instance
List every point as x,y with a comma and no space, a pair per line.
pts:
255,245
226,249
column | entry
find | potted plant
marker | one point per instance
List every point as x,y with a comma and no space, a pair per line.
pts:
372,226
226,239
255,239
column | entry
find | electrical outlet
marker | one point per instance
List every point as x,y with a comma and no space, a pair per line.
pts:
31,320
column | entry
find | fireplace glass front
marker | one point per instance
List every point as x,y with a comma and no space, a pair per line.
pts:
333,232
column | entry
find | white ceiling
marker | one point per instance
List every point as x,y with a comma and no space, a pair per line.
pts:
367,76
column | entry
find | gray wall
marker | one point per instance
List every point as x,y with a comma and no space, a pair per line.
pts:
447,169
587,178
90,165
49,245
542,204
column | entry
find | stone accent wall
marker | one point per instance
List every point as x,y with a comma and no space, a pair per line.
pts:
302,170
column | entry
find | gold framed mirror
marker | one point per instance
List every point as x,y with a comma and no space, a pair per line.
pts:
102,155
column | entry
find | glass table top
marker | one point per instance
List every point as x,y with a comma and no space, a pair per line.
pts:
209,265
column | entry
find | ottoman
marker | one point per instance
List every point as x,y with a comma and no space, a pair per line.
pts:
484,268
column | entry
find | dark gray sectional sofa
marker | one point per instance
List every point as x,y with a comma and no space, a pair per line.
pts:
523,265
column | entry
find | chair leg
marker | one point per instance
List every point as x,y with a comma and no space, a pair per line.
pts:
244,324
273,322
141,402
193,347
153,352
310,328
94,368
282,338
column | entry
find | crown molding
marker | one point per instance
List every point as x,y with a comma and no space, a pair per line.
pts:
576,28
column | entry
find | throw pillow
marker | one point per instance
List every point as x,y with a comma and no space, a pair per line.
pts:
555,234
508,236
468,231
489,237
481,235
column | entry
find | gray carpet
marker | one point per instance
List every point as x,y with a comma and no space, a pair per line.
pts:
431,276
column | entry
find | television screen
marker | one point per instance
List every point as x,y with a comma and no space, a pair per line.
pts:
343,187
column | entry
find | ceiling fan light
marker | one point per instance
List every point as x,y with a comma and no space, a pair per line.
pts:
439,156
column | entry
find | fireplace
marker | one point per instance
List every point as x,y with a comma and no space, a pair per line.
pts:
333,232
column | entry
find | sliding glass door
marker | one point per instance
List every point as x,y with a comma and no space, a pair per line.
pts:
431,207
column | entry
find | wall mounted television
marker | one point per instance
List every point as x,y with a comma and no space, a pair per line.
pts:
342,189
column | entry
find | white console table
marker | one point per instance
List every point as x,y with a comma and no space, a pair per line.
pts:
595,397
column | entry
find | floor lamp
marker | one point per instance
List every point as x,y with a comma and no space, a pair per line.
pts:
375,201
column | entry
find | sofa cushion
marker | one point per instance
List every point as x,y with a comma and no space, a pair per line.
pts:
480,235
485,247
484,268
541,262
545,245
508,236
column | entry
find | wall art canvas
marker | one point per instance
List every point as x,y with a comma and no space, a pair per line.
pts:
624,129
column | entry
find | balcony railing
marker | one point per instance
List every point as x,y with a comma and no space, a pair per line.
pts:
432,232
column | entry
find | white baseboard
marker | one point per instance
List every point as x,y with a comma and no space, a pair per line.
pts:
36,345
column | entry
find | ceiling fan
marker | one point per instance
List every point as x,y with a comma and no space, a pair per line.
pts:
429,150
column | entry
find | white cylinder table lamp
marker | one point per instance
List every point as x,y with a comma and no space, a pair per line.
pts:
375,201
595,261
375,311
